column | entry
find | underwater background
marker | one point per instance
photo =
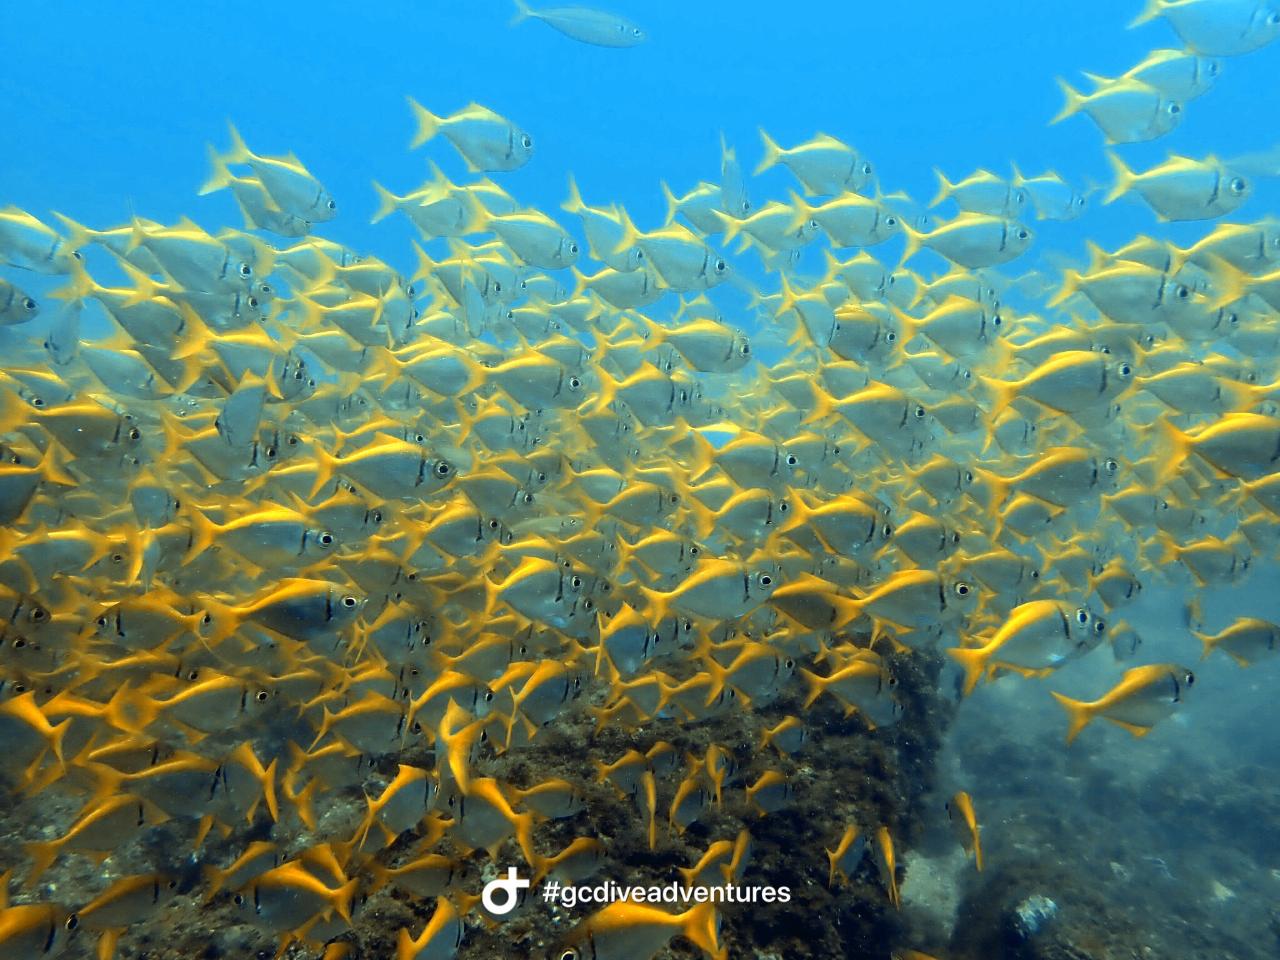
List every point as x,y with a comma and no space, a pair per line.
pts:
1160,846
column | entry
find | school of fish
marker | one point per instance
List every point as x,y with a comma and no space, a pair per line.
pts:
298,512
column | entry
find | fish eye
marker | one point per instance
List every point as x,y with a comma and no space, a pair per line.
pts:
637,32
955,537
1023,233
493,524
1126,370
573,248
968,476
246,270
527,498
349,602
207,618
783,506
997,320
135,434
1099,626
261,696
765,580
443,469
1035,574
28,303
568,955
238,900
1111,466
919,413
21,642
745,350
193,675
890,221
574,383
1174,109
291,440
1238,185
694,550
101,621
588,605
1188,678
39,615
575,582
1183,293
37,402
1082,615
890,337
963,589
526,141
271,453
791,460
73,921
886,531
813,224
253,302
332,205
326,539
721,266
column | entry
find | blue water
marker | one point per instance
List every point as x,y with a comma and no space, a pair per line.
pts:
108,107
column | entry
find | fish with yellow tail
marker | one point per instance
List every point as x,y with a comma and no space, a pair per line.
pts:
964,823
887,864
1040,635
1143,697
439,939
635,931
1246,640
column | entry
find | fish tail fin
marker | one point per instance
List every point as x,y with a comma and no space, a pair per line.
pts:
387,203
1207,641
1070,284
220,177
575,203
772,153
914,240
816,685
239,152
977,851
1078,714
630,233
732,227
524,838
1124,178
945,188
1230,283
130,711
1073,102
78,235
203,531
700,926
1153,9
1177,448
42,854
523,13
673,202
974,663
428,124
1001,392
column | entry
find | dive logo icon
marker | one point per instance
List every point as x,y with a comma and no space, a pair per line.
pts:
510,887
